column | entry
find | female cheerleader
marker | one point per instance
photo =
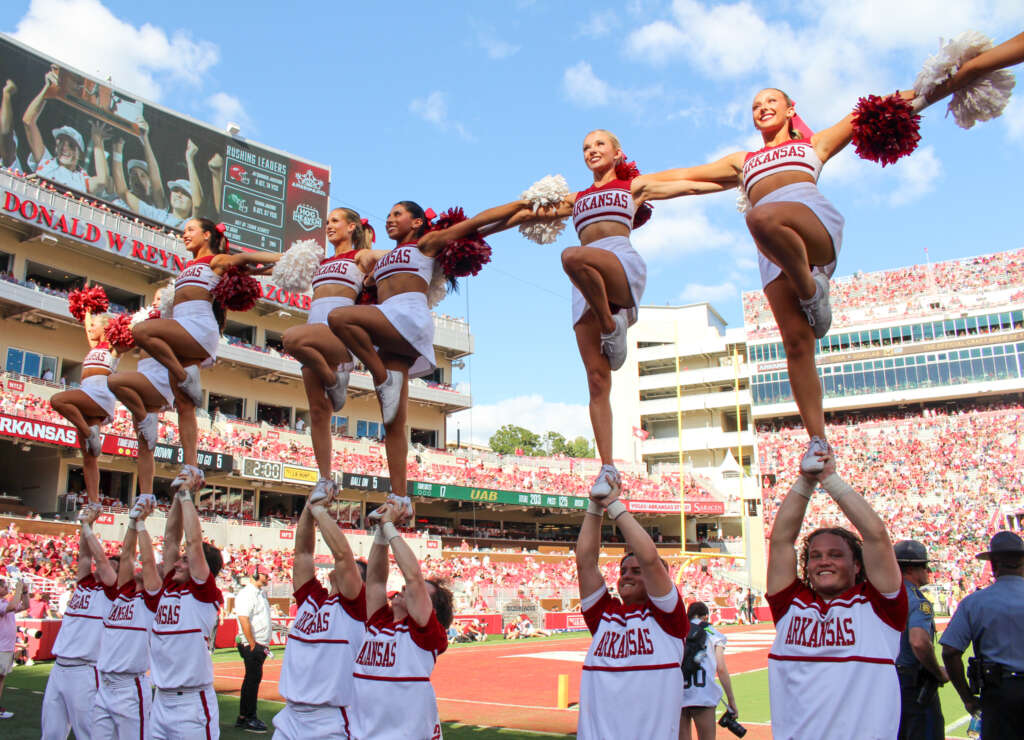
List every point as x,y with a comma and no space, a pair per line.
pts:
326,363
191,337
393,696
395,339
632,683
608,278
92,405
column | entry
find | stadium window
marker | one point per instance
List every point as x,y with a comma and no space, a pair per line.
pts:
339,425
1018,319
51,279
6,263
369,429
238,331
23,362
426,437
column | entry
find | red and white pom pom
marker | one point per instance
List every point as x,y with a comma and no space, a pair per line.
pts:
237,290
885,129
144,314
982,100
461,257
87,300
294,271
119,332
626,171
438,288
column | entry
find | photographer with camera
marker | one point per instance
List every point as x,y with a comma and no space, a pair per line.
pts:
991,619
919,671
703,658
9,631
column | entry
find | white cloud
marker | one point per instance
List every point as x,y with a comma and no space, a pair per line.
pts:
916,175
531,412
600,24
698,293
434,110
585,88
1014,119
87,35
657,42
682,227
496,48
225,108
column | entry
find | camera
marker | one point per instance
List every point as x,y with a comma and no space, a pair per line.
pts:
728,721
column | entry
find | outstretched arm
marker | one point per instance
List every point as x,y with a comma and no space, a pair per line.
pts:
489,221
723,172
303,567
172,536
656,576
158,195
151,579
376,577
880,564
104,570
1005,54
194,540
782,559
117,175
126,568
216,165
98,183
31,117
588,549
222,262
653,189
417,598
191,149
830,141
345,577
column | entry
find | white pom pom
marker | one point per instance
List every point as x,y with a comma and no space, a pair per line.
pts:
294,272
167,301
543,232
742,202
550,190
982,100
438,288
141,315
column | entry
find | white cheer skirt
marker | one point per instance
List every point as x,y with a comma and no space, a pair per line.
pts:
322,307
411,317
636,275
158,377
805,193
96,388
197,318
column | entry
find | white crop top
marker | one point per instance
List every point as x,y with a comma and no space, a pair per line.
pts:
100,358
404,259
339,270
198,274
793,156
612,201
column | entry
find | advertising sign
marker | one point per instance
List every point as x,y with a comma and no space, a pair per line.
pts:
300,474
672,507
38,431
488,495
365,482
90,137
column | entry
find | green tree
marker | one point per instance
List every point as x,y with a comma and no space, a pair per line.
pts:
554,444
579,447
510,438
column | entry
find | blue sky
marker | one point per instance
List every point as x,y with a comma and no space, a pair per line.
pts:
469,103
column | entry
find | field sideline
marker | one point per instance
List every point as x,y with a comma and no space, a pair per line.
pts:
511,692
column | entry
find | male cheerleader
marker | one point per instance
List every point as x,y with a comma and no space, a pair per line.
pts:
327,630
71,687
125,694
183,629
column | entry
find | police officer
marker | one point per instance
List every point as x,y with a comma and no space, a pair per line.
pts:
993,620
919,670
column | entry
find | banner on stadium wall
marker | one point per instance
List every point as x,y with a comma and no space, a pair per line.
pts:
15,385
115,444
287,534
38,431
672,507
266,199
107,518
488,495
365,482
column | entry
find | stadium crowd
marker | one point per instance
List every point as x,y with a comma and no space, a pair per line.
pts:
940,477
907,291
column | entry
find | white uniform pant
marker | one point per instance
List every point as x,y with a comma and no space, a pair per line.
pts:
67,702
301,721
122,709
188,714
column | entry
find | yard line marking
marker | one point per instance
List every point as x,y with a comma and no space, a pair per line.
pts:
498,704
962,721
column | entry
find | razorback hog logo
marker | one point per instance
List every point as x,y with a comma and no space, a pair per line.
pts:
168,614
377,654
309,623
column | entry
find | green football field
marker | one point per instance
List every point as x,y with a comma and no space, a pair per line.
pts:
23,695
